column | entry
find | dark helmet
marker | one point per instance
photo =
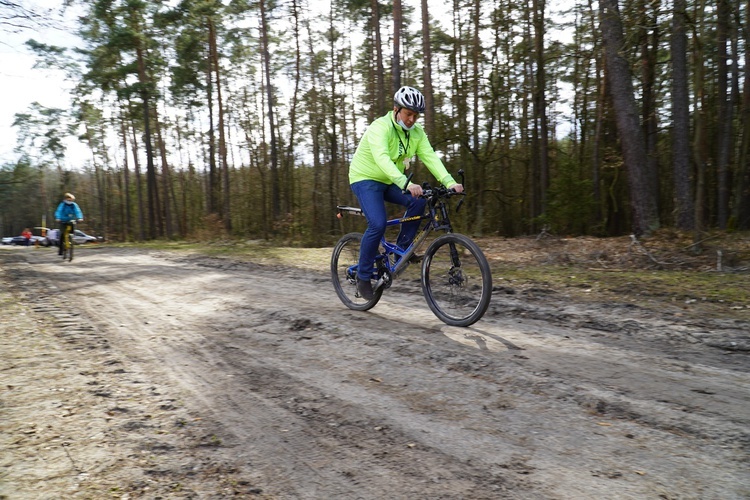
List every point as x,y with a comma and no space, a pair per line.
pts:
409,98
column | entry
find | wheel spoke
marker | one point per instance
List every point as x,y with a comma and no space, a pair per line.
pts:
344,271
456,280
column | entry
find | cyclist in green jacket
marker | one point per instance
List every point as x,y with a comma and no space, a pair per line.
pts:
376,175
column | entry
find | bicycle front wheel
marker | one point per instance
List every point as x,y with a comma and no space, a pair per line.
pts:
71,244
456,280
344,262
65,244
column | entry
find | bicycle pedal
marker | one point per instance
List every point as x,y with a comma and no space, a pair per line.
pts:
416,259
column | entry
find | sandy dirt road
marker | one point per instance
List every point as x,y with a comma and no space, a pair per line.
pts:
142,374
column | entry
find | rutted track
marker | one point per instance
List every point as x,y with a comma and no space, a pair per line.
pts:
290,395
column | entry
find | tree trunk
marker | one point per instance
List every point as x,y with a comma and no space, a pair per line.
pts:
152,188
723,140
700,123
275,184
138,187
540,106
476,176
429,97
597,133
333,138
289,180
166,182
397,27
683,177
213,177
643,203
379,106
649,39
742,187
127,226
224,165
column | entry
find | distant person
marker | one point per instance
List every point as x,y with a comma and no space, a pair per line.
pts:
26,233
66,214
53,236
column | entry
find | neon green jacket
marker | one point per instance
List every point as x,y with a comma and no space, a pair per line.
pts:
381,152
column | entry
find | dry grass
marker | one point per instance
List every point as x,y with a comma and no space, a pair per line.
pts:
668,269
665,250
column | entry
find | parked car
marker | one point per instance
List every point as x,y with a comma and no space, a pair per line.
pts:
80,237
52,238
21,240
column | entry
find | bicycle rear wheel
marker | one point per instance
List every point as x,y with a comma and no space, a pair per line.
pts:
456,280
344,273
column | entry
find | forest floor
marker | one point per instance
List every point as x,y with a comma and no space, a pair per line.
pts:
604,368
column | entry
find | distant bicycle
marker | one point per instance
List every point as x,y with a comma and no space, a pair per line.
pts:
66,240
456,278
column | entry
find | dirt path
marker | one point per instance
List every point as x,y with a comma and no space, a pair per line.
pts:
163,375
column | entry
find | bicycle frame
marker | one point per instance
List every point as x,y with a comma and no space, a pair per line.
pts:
436,219
403,256
67,231
66,239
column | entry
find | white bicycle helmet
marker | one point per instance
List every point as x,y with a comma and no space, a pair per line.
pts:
409,98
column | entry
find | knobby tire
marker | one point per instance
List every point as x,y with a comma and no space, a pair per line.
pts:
345,255
67,244
71,244
456,280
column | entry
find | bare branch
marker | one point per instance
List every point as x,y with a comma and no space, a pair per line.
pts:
15,17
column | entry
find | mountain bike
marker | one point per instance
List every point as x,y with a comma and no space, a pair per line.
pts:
66,240
455,276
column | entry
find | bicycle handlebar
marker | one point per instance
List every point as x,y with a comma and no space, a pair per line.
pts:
428,192
405,189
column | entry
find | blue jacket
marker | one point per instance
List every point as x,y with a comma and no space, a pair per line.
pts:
68,212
